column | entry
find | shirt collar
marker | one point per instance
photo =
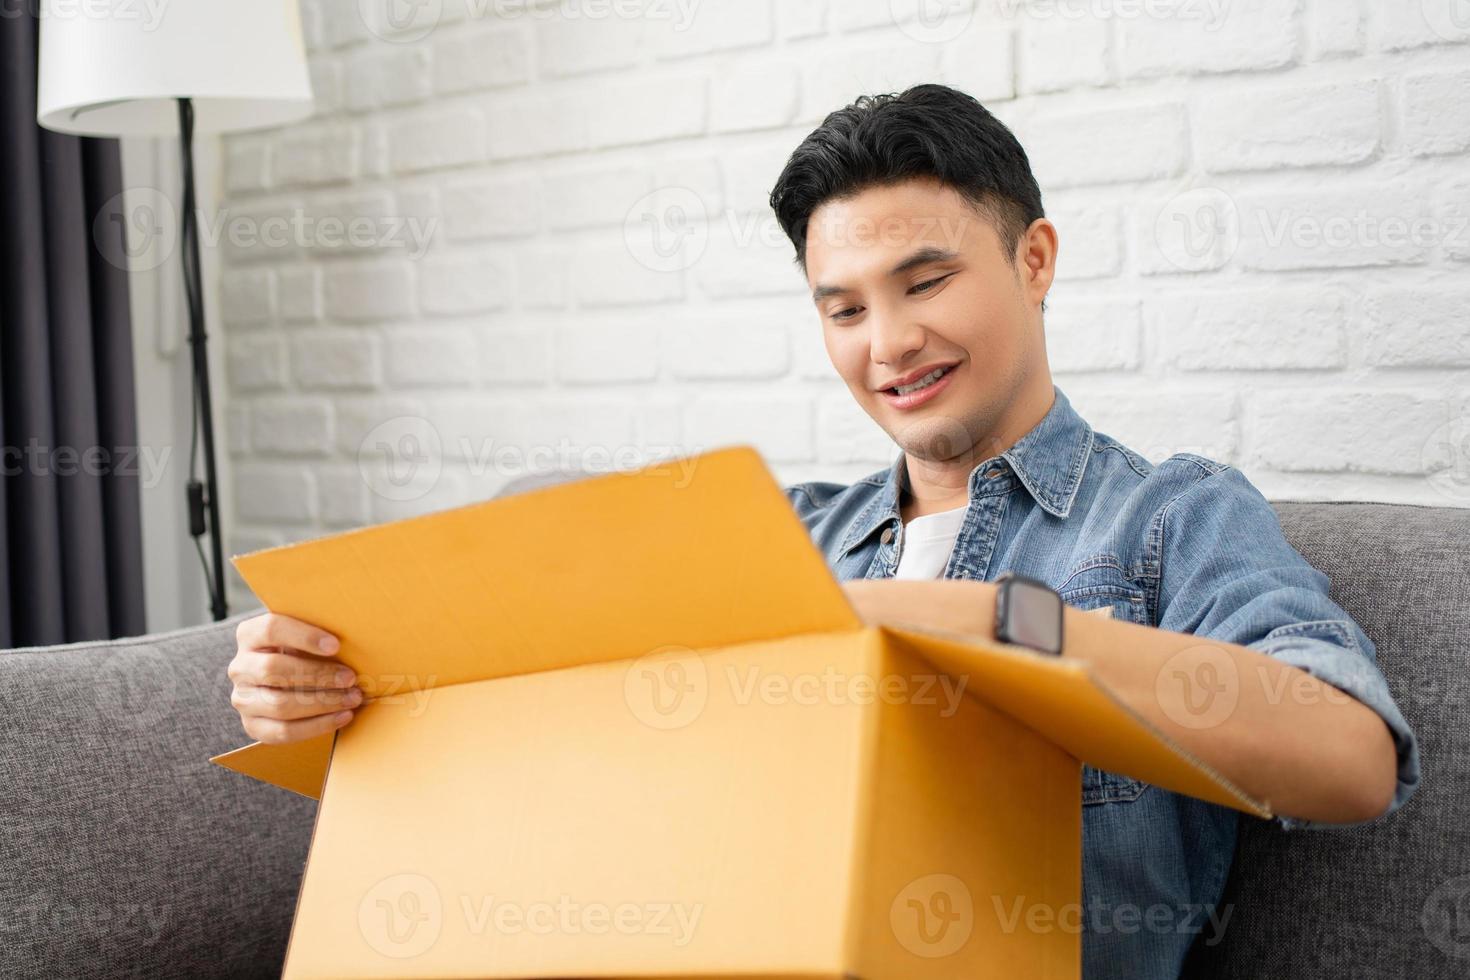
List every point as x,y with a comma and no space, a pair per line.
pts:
1049,461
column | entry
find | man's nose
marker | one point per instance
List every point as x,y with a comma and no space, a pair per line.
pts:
893,337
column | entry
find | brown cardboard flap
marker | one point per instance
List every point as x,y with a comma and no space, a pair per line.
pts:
300,767
699,552
1063,702
689,554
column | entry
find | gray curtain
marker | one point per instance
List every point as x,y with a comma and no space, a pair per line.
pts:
71,531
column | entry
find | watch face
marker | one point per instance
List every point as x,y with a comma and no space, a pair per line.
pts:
1033,616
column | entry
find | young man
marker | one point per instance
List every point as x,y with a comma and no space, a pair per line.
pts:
920,229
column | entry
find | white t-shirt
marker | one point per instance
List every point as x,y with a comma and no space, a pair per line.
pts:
927,543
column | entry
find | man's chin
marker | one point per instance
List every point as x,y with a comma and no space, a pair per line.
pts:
935,437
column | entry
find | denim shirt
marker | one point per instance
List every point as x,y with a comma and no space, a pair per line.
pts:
1188,545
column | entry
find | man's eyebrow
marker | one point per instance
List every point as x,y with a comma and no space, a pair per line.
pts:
922,256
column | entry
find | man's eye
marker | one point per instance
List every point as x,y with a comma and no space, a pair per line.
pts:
921,287
846,314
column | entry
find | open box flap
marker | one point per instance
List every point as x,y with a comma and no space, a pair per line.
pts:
693,553
300,767
1063,702
701,552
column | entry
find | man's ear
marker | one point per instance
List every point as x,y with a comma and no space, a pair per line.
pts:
1037,252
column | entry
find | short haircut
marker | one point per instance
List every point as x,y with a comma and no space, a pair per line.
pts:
925,131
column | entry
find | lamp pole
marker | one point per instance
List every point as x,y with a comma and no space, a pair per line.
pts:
203,497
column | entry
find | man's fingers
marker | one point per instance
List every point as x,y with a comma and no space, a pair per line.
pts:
291,705
275,630
252,668
277,732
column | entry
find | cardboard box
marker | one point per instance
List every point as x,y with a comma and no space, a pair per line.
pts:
631,726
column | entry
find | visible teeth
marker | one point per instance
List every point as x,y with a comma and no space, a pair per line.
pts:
923,382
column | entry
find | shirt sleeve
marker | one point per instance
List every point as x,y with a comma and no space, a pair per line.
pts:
1228,573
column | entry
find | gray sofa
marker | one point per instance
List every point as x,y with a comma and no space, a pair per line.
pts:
123,853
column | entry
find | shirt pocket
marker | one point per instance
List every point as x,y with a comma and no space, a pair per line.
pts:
1099,786
1094,584
1100,582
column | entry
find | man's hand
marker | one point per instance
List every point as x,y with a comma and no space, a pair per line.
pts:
288,686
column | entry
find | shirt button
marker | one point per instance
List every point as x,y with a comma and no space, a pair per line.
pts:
887,535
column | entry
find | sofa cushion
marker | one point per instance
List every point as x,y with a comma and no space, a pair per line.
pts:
125,853
1390,898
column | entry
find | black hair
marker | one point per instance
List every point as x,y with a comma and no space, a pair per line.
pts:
925,131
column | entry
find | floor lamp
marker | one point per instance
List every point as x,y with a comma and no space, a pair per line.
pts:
197,66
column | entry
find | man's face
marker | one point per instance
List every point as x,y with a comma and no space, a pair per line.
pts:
911,277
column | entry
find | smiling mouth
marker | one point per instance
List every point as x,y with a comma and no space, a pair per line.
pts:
933,377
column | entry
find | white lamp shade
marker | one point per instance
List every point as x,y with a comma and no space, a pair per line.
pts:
119,70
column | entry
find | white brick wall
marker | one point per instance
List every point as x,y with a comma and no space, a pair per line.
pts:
545,232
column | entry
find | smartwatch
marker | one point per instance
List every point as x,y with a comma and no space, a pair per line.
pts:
1028,613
